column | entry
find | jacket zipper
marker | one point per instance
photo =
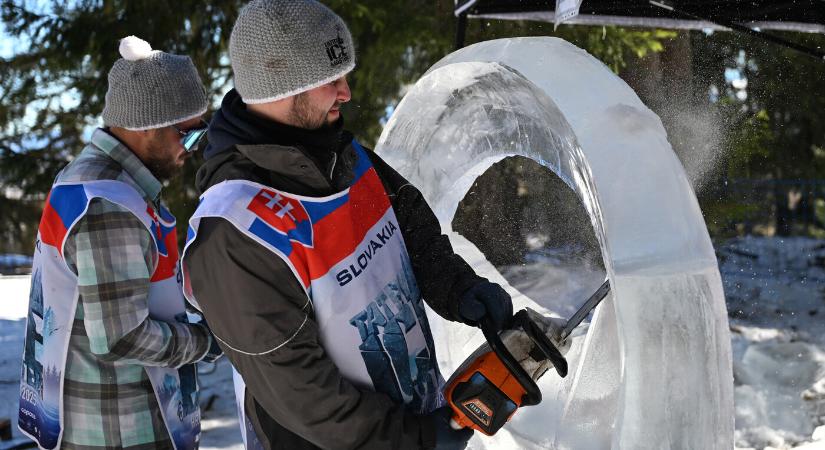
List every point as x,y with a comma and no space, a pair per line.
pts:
332,167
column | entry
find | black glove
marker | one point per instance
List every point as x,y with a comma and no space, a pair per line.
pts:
446,438
486,300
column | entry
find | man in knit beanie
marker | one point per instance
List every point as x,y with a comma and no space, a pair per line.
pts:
311,258
109,353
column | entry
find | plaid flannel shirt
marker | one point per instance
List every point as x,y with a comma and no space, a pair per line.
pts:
108,399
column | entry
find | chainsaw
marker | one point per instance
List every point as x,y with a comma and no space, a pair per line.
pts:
500,376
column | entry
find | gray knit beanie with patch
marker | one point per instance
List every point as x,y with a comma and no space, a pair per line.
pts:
152,89
280,48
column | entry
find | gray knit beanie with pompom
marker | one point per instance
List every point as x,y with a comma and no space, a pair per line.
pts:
152,89
280,48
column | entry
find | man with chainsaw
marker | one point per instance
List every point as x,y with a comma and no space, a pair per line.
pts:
310,256
109,352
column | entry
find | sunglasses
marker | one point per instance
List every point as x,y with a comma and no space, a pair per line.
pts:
191,137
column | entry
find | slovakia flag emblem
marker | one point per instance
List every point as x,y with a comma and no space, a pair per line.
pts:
161,230
284,214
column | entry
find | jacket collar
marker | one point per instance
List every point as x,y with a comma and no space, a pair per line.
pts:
287,161
234,124
105,142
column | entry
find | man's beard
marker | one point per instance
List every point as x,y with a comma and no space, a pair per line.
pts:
304,116
162,165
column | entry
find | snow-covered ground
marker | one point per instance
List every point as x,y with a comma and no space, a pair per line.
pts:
775,291
14,301
219,417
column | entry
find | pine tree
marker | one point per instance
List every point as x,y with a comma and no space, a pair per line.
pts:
52,87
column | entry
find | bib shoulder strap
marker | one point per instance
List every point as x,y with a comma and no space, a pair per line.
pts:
67,203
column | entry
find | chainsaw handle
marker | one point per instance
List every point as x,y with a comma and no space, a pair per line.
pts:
541,340
533,394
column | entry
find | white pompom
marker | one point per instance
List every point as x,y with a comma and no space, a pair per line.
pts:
133,48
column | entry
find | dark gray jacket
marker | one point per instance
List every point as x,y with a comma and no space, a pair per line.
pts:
296,398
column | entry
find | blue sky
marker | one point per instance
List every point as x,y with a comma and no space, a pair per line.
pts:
6,43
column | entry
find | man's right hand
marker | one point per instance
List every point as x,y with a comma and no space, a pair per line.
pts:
486,300
447,438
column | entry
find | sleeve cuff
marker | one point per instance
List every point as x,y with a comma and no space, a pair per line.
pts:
209,342
458,290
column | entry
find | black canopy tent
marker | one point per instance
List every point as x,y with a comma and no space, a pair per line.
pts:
746,16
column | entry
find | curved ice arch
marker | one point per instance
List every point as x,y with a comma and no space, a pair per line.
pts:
654,371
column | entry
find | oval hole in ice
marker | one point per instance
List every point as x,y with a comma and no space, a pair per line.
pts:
534,229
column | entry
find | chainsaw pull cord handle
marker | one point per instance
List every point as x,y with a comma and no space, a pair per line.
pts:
533,394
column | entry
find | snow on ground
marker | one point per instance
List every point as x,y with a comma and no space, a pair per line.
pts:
14,302
15,297
219,418
11,351
775,291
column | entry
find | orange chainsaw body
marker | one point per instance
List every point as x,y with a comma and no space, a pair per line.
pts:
487,389
488,394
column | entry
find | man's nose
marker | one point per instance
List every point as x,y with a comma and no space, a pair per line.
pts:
343,95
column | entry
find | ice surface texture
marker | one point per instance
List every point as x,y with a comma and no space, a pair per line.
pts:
654,371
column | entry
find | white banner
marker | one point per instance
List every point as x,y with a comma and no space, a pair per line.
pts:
565,10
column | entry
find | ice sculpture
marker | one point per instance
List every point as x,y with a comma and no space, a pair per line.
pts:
654,369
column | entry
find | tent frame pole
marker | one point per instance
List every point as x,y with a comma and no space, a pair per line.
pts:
460,30
745,30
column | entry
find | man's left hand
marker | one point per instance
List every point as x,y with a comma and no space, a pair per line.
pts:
486,300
